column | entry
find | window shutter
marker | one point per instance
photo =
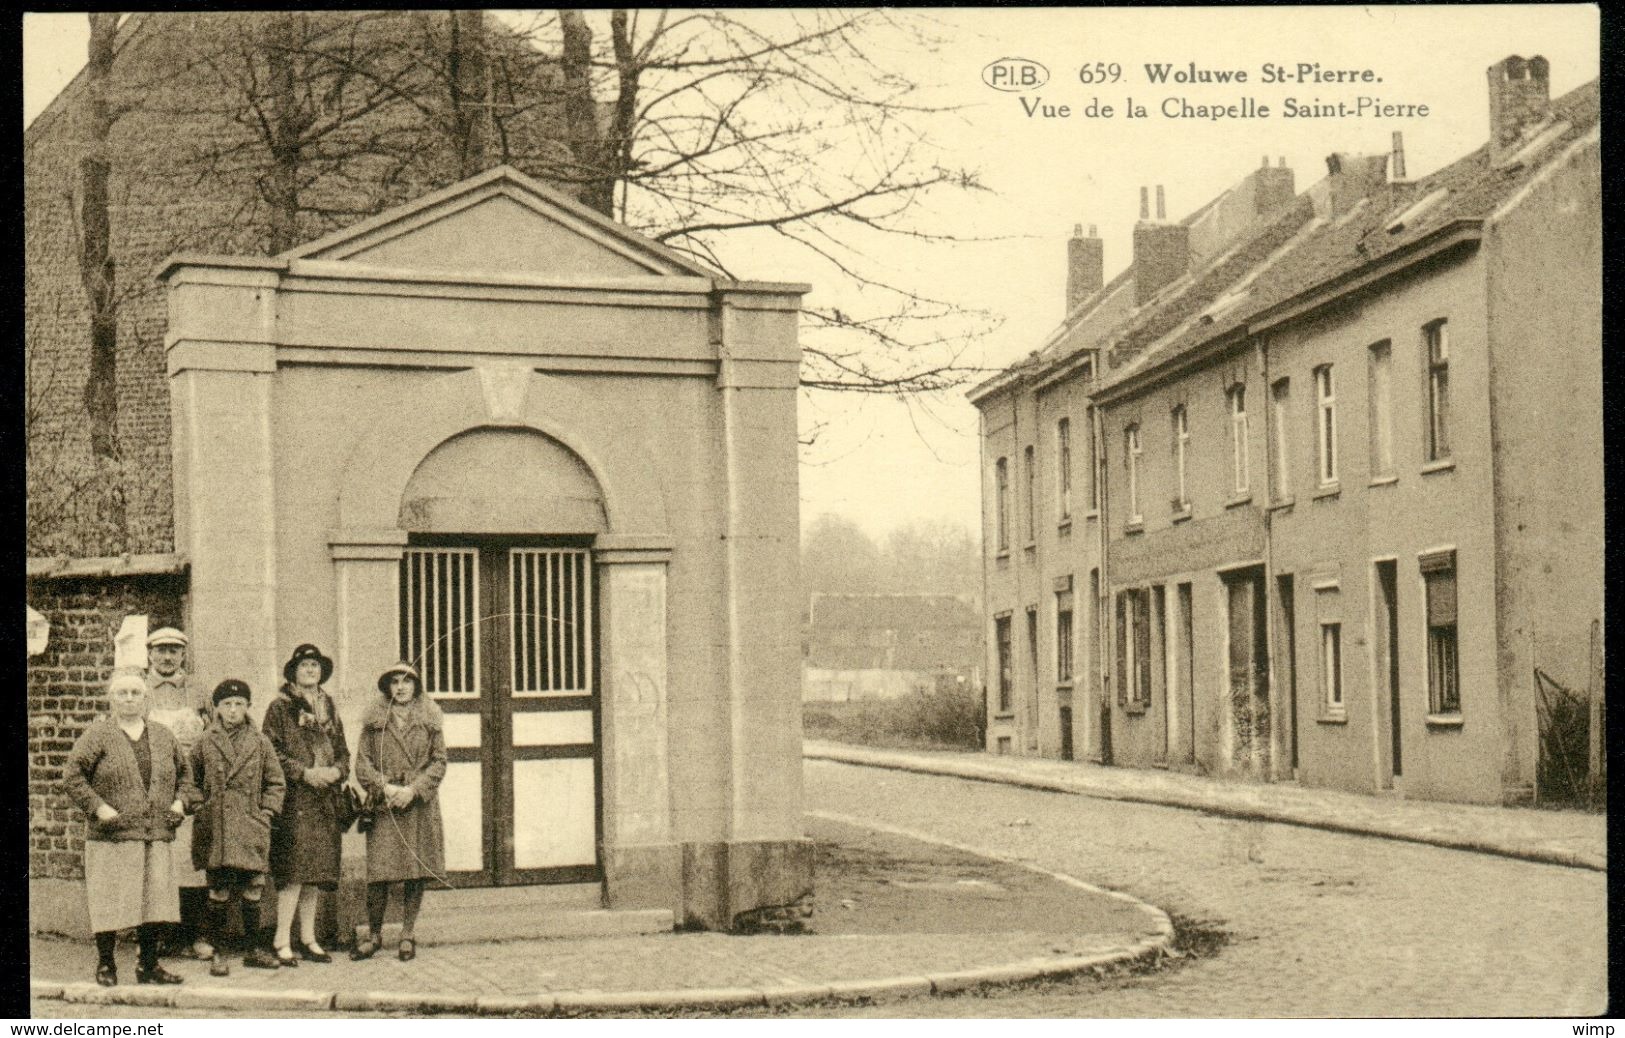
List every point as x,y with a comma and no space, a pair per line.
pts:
1121,674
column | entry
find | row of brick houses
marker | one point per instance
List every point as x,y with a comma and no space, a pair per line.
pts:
1313,489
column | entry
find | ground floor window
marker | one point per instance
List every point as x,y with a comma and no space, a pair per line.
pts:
1331,665
1444,675
1134,647
1001,639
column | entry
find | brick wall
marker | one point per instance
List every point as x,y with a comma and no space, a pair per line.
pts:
185,174
67,690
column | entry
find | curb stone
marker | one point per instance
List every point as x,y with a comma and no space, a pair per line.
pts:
889,987
496,1005
231,998
1239,812
401,1001
796,993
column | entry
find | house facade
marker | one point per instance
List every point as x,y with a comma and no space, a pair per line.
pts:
1334,545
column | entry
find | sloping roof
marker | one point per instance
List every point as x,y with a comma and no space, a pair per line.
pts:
1332,250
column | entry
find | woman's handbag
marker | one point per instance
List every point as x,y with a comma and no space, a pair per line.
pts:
347,808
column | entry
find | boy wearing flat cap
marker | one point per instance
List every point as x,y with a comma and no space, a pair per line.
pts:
239,791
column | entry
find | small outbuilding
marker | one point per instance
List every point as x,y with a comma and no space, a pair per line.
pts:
552,463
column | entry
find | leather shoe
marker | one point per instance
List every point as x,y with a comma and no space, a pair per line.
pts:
286,958
365,950
310,954
409,949
218,966
155,975
107,976
260,959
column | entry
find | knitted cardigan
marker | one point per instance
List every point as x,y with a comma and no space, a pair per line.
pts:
102,769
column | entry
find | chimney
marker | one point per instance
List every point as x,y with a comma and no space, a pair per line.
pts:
1520,99
1273,186
1349,178
1162,250
1396,164
1085,266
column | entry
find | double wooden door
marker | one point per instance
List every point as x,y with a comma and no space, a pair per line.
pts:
502,631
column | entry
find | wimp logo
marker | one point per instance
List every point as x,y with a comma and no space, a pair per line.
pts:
1015,74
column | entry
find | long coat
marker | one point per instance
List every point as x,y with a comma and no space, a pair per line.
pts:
239,791
102,769
305,840
409,843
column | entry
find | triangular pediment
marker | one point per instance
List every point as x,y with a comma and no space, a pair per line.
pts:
500,222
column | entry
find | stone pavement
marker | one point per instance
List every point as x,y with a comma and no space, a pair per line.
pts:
1573,838
893,914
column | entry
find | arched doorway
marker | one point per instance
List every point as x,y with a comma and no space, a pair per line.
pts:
497,606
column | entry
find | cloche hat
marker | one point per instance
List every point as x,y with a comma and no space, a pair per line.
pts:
399,668
232,687
307,652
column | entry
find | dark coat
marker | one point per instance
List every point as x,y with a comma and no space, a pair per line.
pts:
305,839
409,843
239,791
102,769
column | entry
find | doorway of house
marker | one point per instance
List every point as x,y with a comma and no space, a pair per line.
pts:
1387,631
1247,660
1066,733
1288,669
502,630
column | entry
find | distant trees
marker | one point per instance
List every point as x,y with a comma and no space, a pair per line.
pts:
935,556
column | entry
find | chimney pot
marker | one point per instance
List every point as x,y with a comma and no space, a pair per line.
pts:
1092,231
1281,162
1077,230
1145,203
1396,167
1266,162
1162,209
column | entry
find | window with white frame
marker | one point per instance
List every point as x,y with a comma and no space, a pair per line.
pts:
1326,424
1331,666
1063,634
1281,406
1134,647
1001,518
1437,338
1382,409
1444,669
1131,448
1182,444
1029,494
1237,398
1063,467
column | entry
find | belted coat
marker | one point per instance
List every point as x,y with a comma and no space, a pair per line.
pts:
305,843
239,791
409,843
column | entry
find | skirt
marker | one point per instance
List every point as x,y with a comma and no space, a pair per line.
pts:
130,882
185,874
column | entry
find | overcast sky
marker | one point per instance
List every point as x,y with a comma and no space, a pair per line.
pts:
884,463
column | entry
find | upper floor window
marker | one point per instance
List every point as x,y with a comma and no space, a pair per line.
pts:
1281,406
1029,493
1437,336
1326,424
1063,467
1094,461
1131,446
1182,443
1382,410
1237,397
1001,517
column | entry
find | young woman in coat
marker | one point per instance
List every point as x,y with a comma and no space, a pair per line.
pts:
308,736
400,761
239,791
129,778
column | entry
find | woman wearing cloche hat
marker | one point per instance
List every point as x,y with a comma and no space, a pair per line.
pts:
401,760
309,739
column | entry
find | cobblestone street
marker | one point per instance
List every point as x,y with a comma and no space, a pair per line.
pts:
1321,924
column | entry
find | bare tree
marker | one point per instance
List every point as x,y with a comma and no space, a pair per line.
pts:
707,129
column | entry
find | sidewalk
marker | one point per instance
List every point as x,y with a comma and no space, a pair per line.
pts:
894,916
1572,838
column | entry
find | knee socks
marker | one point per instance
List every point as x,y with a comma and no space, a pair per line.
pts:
251,921
218,919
